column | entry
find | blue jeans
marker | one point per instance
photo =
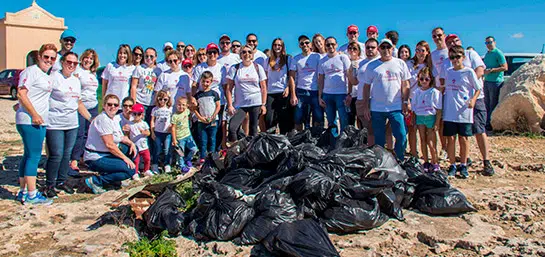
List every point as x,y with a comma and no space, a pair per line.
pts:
33,139
335,103
162,144
207,133
308,102
83,129
111,168
187,144
491,97
398,130
59,144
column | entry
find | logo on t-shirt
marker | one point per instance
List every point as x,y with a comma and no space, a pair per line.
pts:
120,73
390,76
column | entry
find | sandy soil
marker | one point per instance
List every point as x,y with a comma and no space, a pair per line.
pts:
510,220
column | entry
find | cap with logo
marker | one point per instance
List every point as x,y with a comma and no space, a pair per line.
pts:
372,28
352,28
187,62
212,46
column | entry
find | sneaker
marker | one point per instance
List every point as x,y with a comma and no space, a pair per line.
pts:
443,155
189,164
436,167
126,183
155,168
136,177
469,162
37,199
463,172
21,197
185,169
49,192
452,171
488,169
96,189
148,173
65,188
167,169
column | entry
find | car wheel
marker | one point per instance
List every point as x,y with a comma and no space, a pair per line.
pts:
13,93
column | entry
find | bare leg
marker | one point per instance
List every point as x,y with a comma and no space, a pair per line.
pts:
262,126
441,137
464,148
224,133
451,149
482,141
423,140
246,125
22,183
30,182
432,145
413,141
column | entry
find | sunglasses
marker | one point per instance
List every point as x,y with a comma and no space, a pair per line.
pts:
149,56
163,99
69,40
137,113
352,49
47,57
370,47
167,49
180,46
454,57
190,50
385,47
225,43
352,33
127,106
236,46
279,45
252,41
425,79
186,66
201,54
437,36
420,50
112,104
172,61
211,52
137,54
488,42
304,43
330,44
71,63
246,52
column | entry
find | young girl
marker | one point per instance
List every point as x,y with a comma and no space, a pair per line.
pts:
207,114
427,105
160,129
139,132
182,140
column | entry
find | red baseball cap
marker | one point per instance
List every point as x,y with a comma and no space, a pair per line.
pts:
450,37
212,46
352,28
137,108
372,28
186,62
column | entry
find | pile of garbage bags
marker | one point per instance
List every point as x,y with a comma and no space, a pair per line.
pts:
286,192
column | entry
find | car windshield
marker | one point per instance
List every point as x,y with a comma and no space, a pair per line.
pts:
515,62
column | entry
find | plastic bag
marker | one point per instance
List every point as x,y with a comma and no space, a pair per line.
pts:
412,167
310,152
245,179
356,160
235,150
264,149
209,171
350,137
387,166
302,238
442,201
163,214
350,215
302,137
327,139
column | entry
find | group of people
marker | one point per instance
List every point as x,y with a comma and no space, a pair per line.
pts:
201,100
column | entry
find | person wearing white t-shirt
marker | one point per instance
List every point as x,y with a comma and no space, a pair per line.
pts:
86,73
318,44
333,85
462,89
169,80
353,33
163,64
248,80
67,41
438,57
33,92
259,56
303,83
226,58
394,37
386,83
143,82
107,150
116,76
139,133
124,116
160,130
354,52
64,105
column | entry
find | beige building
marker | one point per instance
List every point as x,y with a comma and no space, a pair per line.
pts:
25,31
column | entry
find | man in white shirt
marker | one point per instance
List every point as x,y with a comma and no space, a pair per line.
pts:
438,57
226,58
386,83
259,57
67,40
394,37
353,33
163,65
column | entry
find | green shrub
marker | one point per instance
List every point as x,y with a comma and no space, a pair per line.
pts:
185,189
159,247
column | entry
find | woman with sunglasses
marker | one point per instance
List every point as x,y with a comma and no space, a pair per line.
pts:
201,56
86,73
190,53
124,116
137,55
248,80
116,76
354,52
169,79
62,130
34,91
107,150
318,44
143,82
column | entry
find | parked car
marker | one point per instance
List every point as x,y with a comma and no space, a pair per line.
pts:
515,60
8,82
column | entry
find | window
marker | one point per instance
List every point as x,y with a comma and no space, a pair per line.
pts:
3,74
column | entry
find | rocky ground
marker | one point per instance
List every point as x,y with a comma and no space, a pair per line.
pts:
510,220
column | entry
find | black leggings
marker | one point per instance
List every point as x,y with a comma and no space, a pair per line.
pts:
279,112
236,121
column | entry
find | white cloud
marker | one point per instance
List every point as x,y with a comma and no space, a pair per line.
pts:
517,35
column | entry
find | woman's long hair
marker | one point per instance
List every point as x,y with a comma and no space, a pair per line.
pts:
282,57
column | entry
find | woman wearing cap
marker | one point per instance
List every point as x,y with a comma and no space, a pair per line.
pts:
354,52
64,105
168,80
116,76
143,81
106,147
137,55
34,91
248,80
86,73
318,44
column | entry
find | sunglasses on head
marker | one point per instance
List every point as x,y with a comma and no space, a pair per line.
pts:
246,52
69,40
171,61
437,36
385,47
425,79
304,43
454,57
71,62
47,57
112,104
127,106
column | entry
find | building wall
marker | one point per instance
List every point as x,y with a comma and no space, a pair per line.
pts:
3,58
22,40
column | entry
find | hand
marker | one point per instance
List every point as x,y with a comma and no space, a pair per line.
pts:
486,71
286,93
406,108
203,120
126,128
193,102
129,163
37,120
322,102
263,110
471,104
132,149
294,101
153,136
348,100
174,142
231,110
366,113
16,107
436,126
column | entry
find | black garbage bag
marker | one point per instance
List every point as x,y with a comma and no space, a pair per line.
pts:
220,213
390,201
312,190
356,160
350,137
236,149
387,166
310,152
163,214
272,208
292,164
302,238
442,201
265,150
301,137
412,167
426,181
362,189
350,215
210,170
245,179
327,140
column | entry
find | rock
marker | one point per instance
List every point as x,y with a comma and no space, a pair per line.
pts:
441,248
224,248
522,98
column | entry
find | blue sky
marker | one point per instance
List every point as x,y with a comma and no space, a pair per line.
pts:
517,25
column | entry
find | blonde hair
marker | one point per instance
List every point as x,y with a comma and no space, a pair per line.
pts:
426,71
161,94
126,49
110,96
314,47
96,63
196,56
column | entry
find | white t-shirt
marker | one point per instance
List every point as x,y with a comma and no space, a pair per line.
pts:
427,102
63,103
307,70
277,79
147,77
334,70
344,49
260,57
438,57
354,66
460,87
89,86
39,86
102,125
394,52
136,135
168,81
162,118
229,60
163,65
183,87
386,80
119,118
119,78
414,75
218,71
247,84
472,60
57,66
361,75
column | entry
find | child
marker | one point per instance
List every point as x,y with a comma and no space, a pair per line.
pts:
208,108
461,91
160,130
181,135
427,104
139,131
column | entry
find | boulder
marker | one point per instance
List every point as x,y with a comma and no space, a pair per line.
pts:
522,99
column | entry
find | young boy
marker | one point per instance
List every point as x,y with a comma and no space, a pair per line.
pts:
182,140
138,133
462,89
207,114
